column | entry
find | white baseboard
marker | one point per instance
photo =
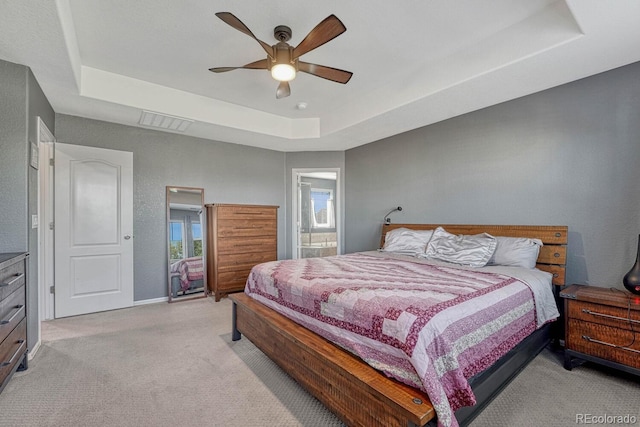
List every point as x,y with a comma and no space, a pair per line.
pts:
32,353
150,301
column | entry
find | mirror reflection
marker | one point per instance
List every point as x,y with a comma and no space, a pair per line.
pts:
185,233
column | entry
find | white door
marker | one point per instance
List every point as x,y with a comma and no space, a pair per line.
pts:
93,229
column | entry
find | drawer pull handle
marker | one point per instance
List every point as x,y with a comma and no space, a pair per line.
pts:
608,316
12,281
588,338
18,309
22,344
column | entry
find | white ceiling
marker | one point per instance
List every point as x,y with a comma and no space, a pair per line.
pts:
415,62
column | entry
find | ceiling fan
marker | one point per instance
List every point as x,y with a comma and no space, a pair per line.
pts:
283,59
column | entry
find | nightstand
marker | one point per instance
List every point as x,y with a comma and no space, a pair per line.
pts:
602,325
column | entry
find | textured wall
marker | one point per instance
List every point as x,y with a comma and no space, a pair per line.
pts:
21,103
13,161
229,173
566,156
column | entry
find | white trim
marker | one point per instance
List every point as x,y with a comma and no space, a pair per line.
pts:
32,352
294,206
150,301
45,216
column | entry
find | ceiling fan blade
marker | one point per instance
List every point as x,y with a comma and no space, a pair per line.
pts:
257,65
328,73
233,21
283,91
327,30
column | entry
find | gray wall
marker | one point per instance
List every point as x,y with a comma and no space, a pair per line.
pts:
229,173
567,156
311,160
22,102
13,161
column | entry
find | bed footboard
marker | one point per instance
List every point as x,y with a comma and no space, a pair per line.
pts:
358,394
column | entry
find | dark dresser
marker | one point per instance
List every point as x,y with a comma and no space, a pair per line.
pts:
13,319
602,325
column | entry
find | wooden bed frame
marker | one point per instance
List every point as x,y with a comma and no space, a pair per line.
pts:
362,396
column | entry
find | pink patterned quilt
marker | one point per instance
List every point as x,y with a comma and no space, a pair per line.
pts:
189,269
430,326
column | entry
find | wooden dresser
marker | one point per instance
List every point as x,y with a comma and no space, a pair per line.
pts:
13,320
602,325
238,237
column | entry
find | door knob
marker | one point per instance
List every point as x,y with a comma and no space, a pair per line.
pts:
127,237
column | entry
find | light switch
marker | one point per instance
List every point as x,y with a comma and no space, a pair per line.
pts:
34,221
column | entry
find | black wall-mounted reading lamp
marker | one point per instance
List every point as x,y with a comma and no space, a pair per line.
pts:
387,220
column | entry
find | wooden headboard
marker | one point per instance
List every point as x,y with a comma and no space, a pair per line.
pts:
552,257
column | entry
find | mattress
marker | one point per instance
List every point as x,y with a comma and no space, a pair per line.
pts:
428,324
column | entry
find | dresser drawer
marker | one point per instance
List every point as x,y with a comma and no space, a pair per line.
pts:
606,342
12,349
12,311
604,315
247,228
246,245
226,260
246,212
231,280
240,269
11,278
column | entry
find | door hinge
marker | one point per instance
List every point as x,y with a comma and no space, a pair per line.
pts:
50,162
52,289
51,225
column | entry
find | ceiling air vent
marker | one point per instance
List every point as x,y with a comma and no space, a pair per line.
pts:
164,121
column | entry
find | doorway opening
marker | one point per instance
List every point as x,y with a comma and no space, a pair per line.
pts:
317,214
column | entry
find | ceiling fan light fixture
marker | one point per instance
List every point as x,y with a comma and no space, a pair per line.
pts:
282,59
283,72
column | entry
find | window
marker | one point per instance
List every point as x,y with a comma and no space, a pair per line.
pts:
176,240
322,206
196,233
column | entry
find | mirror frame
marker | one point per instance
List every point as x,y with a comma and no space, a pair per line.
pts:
170,189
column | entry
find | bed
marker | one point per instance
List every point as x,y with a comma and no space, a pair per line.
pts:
361,395
187,275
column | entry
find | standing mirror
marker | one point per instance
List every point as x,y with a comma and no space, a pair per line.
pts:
186,246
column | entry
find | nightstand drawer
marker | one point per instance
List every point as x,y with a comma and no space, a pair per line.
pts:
606,342
604,315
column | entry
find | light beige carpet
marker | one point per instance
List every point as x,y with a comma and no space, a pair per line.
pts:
175,365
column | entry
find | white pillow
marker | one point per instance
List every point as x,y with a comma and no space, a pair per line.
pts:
406,241
473,251
516,251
